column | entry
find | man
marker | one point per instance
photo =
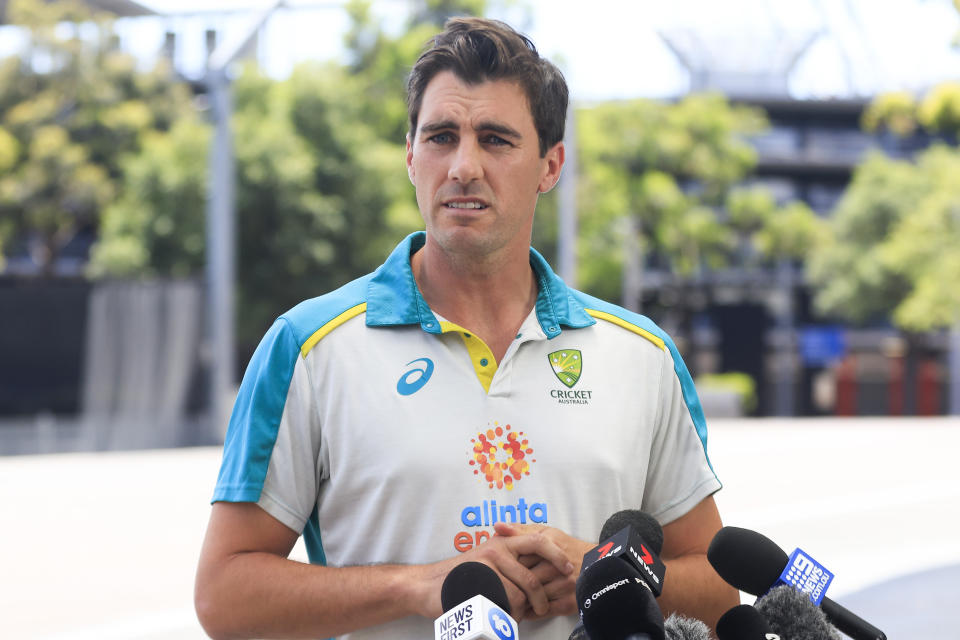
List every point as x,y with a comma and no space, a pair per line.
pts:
460,403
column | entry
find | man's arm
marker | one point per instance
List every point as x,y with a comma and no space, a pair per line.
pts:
246,587
691,587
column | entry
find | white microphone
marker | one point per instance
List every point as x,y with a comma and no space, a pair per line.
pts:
475,606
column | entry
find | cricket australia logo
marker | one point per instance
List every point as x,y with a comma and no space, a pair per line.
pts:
567,365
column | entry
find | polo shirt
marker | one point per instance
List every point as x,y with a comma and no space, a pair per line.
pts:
387,434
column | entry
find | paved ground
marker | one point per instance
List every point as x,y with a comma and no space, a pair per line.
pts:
103,546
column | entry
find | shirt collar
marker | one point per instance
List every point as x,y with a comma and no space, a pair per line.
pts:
394,299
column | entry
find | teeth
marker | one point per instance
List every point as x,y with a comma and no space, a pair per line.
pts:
466,205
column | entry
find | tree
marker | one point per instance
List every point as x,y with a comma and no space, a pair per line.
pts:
71,105
322,196
670,174
892,250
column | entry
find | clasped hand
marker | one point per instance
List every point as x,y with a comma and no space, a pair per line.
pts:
538,564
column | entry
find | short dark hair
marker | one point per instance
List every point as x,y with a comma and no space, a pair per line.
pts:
478,50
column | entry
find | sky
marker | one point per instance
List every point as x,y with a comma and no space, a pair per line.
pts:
615,49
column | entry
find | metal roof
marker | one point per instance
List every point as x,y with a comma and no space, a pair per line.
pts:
119,8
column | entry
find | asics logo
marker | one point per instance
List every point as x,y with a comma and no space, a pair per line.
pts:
414,379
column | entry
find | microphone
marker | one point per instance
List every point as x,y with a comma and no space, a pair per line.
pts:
616,604
754,563
677,627
790,614
744,622
635,537
475,606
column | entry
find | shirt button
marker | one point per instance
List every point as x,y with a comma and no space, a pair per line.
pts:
552,329
466,335
429,325
484,362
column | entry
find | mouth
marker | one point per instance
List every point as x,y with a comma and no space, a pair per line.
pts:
466,204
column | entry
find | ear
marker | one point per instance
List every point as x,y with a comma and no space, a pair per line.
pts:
410,171
552,166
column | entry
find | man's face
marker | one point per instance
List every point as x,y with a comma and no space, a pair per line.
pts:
475,162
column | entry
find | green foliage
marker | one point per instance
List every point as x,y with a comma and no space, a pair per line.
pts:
939,111
892,248
791,233
70,108
674,169
923,246
156,226
895,111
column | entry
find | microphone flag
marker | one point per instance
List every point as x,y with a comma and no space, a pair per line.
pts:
805,574
475,619
628,545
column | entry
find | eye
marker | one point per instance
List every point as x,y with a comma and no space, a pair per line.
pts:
494,140
441,138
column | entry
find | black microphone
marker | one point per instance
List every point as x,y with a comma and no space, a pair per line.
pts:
675,627
616,604
790,614
754,563
475,606
637,538
743,622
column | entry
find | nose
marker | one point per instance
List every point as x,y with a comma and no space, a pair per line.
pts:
465,165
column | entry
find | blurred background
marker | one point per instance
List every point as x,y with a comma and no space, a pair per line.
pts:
777,184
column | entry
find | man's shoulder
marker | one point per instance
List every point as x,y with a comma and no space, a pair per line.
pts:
314,314
632,321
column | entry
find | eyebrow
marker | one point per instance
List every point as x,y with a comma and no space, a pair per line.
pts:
495,127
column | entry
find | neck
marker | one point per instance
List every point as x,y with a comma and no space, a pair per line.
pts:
490,298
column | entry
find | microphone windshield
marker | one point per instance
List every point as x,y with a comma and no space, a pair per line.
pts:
470,579
746,559
643,523
790,614
615,602
743,622
678,627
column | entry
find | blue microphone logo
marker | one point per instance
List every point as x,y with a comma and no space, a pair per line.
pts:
500,623
805,574
413,380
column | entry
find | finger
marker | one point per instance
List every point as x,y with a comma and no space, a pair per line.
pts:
529,561
514,529
544,571
523,579
540,545
560,587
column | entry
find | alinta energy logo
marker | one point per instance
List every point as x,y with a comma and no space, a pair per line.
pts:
501,457
567,365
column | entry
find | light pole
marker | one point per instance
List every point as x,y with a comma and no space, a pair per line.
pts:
221,224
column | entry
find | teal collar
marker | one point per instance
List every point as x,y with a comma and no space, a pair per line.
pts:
394,299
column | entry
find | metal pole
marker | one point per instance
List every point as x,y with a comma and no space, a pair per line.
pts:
221,269
221,225
786,349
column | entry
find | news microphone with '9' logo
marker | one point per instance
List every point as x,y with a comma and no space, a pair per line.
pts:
754,563
475,606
